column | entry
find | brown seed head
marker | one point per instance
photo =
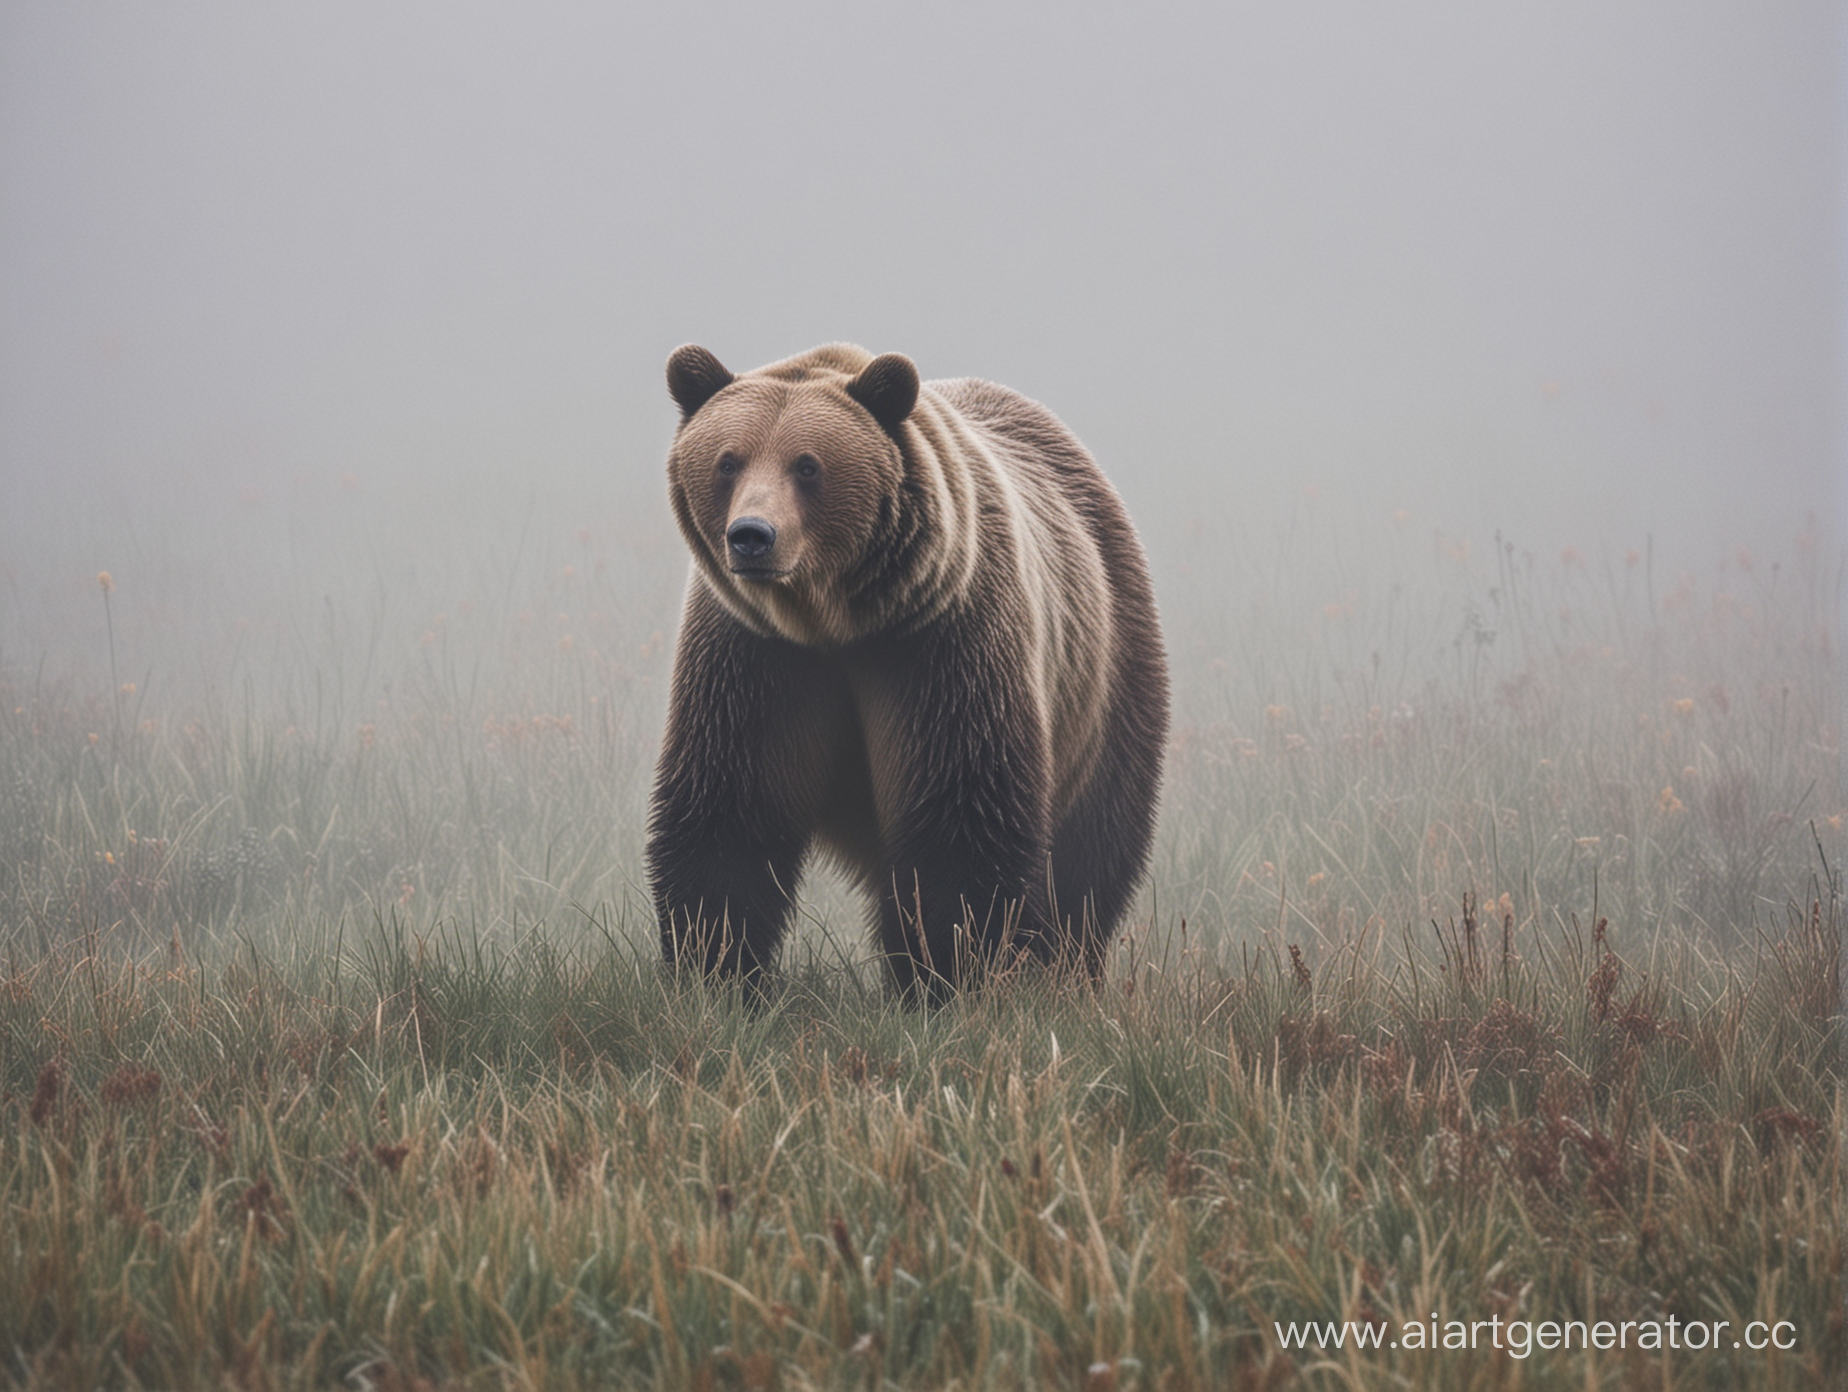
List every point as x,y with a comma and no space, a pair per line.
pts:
843,1240
45,1095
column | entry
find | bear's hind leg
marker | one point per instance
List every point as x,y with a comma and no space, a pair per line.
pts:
1101,850
723,898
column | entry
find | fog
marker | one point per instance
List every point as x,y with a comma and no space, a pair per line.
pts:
1476,375
307,312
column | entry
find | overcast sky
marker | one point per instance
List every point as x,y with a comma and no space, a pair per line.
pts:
1574,270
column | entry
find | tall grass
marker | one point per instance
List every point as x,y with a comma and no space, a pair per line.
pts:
438,1160
1489,969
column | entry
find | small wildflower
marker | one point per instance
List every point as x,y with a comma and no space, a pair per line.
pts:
1668,804
1684,705
106,580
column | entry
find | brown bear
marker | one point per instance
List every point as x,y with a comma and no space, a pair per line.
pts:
919,638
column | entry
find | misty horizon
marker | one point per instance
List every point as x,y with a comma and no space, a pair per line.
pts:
295,300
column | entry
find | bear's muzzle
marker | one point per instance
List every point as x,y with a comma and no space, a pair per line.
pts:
748,544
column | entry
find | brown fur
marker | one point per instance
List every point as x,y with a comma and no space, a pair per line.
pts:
946,671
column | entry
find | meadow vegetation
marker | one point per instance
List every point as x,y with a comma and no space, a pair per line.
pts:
1489,968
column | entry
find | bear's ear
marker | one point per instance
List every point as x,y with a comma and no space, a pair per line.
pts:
888,387
694,377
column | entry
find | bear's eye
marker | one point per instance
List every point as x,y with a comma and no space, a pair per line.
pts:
807,466
729,464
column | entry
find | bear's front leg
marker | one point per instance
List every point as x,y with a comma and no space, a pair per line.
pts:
959,765
733,809
721,892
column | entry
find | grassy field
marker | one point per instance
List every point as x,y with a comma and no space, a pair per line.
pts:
1488,976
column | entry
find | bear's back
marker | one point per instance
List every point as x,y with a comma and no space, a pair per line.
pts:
1032,439
1098,625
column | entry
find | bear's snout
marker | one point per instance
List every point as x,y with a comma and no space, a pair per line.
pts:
750,539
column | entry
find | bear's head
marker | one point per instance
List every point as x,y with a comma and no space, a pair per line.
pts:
789,485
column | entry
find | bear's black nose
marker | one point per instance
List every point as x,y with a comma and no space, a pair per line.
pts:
750,537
